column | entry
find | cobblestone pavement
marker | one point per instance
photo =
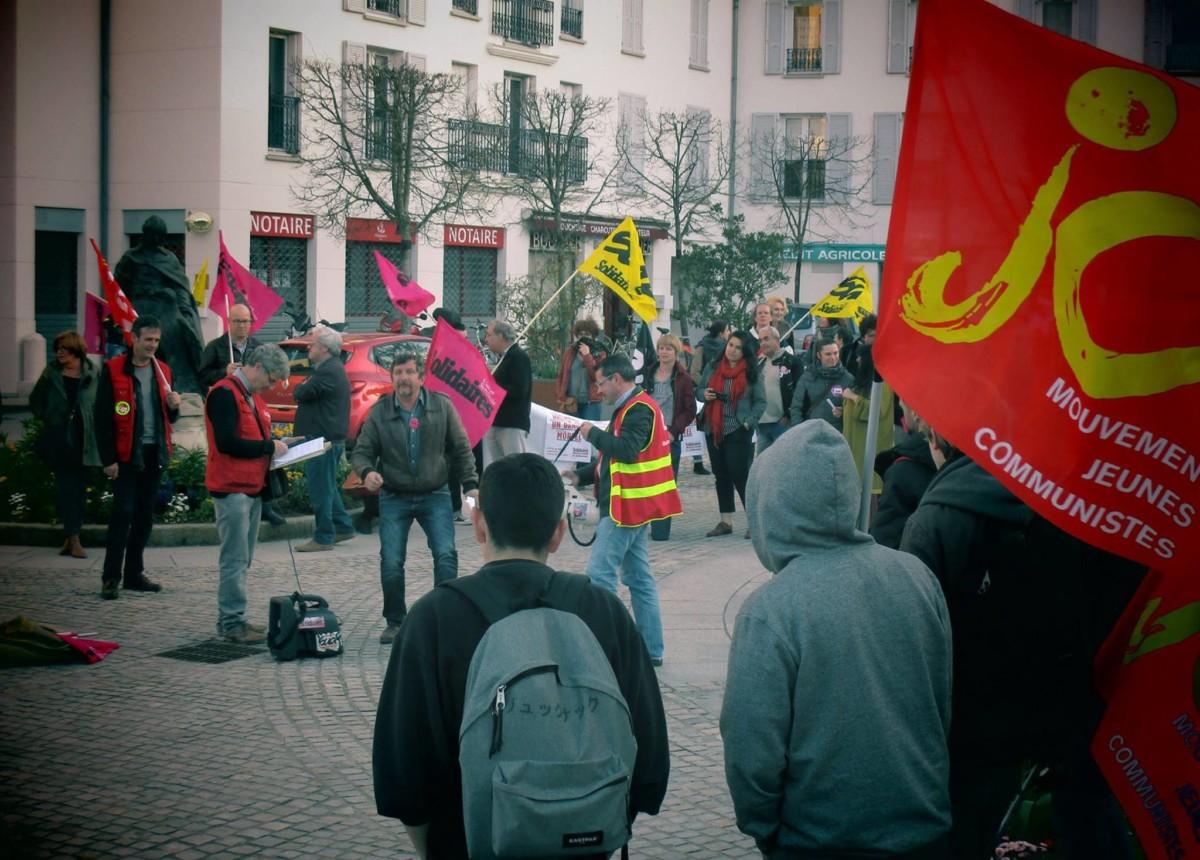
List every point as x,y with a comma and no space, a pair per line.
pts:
147,756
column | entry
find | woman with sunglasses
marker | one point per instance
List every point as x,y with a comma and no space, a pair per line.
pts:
733,403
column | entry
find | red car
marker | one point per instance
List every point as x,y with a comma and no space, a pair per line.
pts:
368,361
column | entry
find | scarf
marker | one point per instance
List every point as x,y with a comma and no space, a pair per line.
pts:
723,373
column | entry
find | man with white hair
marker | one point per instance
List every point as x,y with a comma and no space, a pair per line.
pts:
323,409
514,374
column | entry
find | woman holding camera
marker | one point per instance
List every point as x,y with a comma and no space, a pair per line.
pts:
577,392
668,382
63,399
733,402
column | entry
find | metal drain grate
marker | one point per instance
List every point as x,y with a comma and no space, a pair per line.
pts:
212,651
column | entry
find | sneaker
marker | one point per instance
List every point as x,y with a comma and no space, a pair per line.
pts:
719,529
388,636
341,537
246,634
110,591
313,546
141,583
698,468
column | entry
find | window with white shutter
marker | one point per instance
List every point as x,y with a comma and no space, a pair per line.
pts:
886,151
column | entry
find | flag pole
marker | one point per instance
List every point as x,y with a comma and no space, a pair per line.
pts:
228,333
529,324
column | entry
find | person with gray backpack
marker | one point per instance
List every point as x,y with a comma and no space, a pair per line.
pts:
520,715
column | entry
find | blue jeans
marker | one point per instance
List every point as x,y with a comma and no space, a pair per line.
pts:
326,496
661,529
238,516
629,550
396,514
589,411
767,434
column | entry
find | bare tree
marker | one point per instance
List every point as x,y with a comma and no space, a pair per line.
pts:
679,166
815,181
380,139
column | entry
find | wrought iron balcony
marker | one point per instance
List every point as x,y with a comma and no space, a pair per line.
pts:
283,123
572,20
469,6
804,59
395,8
530,22
495,148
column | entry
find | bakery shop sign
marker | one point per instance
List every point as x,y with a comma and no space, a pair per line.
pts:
282,225
462,236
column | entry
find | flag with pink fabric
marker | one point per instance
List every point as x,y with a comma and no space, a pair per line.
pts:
455,368
261,299
407,295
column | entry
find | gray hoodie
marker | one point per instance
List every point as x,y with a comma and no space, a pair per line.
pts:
837,700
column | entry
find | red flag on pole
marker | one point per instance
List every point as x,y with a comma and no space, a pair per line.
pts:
1035,215
408,296
119,305
262,300
455,368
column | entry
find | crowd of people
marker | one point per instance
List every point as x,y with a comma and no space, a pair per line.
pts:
845,668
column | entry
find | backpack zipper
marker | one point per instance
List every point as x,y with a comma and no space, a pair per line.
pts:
498,704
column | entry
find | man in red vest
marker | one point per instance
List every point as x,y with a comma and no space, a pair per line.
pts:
635,485
240,448
135,408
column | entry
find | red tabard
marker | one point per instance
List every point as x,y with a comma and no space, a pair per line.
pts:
226,474
125,418
644,490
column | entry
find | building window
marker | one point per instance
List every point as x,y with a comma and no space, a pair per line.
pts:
572,18
902,26
698,54
283,105
631,26
378,141
281,264
394,8
529,22
804,150
469,283
471,7
803,37
366,297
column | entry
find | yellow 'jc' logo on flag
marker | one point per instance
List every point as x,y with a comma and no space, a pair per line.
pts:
618,263
850,298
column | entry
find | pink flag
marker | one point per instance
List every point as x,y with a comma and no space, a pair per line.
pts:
455,368
94,312
408,296
263,300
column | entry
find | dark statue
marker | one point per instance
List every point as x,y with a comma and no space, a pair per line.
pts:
156,284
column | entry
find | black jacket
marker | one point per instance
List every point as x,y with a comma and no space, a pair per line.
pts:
906,469
1029,607
215,358
415,757
515,375
323,402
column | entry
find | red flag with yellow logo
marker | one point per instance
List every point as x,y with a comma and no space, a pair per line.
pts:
1039,307
1040,298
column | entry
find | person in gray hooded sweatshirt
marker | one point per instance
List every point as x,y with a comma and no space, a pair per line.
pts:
837,700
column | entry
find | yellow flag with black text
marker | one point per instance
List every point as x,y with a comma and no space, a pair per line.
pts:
618,263
200,284
850,298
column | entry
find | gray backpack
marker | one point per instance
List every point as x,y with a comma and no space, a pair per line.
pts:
546,745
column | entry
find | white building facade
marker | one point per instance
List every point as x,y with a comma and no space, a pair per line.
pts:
126,108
